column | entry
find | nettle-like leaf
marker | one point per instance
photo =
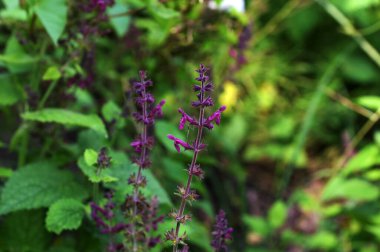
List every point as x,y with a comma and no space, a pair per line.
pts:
39,185
66,117
277,214
53,16
119,23
65,214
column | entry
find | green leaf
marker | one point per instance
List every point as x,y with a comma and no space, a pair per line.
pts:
370,101
90,157
10,93
111,111
257,224
354,189
66,117
65,214
15,58
90,171
52,73
53,15
324,240
277,214
11,4
119,23
363,160
5,172
24,231
38,185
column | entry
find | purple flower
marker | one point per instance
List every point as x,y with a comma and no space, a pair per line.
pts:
185,193
178,142
222,233
104,160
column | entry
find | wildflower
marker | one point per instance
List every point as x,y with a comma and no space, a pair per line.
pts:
222,233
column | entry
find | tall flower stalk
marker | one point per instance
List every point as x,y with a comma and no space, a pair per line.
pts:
146,115
186,194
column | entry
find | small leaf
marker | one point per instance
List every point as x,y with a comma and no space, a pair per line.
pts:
52,73
363,160
111,111
52,14
119,23
66,117
370,101
277,214
90,157
5,172
257,224
38,185
65,214
105,175
354,189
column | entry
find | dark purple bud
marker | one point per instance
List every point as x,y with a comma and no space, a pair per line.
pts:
221,233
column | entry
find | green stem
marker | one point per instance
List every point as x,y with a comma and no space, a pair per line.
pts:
47,94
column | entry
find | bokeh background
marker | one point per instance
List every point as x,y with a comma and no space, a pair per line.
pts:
295,161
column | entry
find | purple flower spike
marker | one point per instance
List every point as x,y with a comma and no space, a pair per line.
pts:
185,193
178,142
222,233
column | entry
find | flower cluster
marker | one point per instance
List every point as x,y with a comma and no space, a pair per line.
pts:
187,195
143,212
238,52
222,233
104,218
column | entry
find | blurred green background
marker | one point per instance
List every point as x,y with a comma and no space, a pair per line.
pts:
294,162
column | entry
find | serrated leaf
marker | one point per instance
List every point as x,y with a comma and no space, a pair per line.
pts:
15,58
52,73
53,15
90,157
65,214
66,117
277,214
24,231
39,185
354,189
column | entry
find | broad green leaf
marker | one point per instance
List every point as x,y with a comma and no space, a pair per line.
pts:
160,11
277,214
10,93
24,231
5,172
66,117
257,224
104,175
90,156
234,133
52,73
119,23
38,185
65,214
363,160
354,189
370,101
111,111
53,15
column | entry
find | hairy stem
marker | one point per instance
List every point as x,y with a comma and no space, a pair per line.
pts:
192,165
